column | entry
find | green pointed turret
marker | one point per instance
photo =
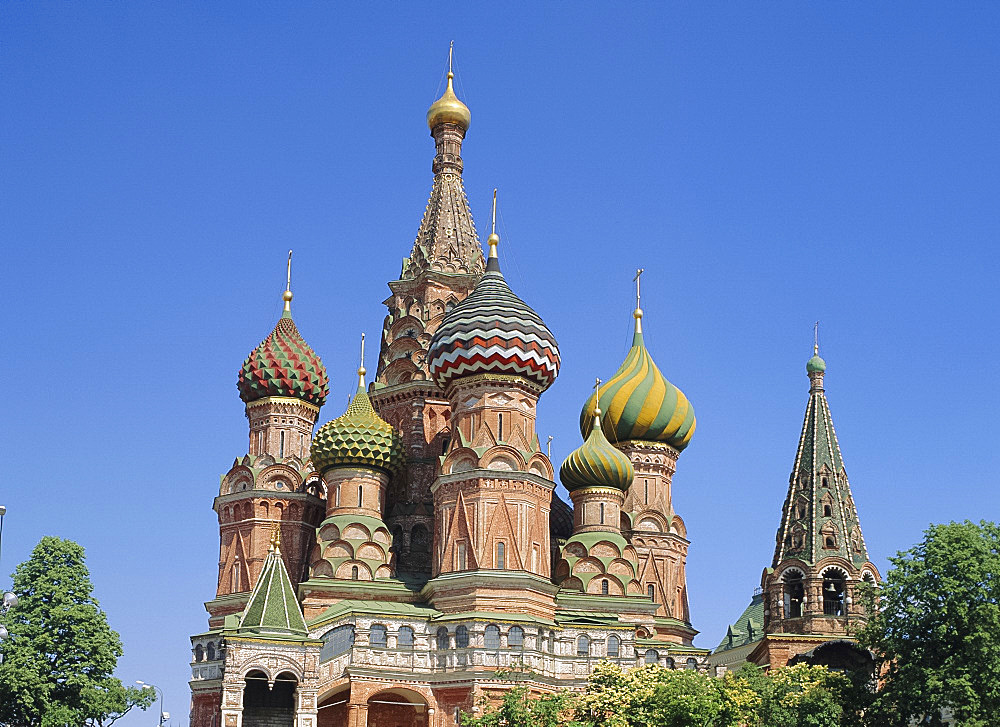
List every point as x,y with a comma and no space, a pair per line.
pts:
273,610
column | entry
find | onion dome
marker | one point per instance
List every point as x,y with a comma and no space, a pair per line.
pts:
493,331
357,438
596,463
449,109
815,365
284,365
639,403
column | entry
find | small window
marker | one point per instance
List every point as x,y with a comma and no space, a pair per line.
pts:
461,637
552,642
515,637
645,484
460,556
281,445
445,443
500,427
652,656
405,636
651,592
361,497
210,651
501,556
825,483
583,645
199,653
492,637
377,636
354,573
802,511
670,663
336,499
442,638
692,663
602,513
614,645
604,586
831,542
827,511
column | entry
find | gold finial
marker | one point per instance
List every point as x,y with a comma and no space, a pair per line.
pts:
276,539
637,314
816,339
597,400
361,365
494,238
448,108
287,295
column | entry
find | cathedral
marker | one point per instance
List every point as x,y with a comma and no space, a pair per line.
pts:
410,559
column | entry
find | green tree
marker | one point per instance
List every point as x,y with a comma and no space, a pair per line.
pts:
936,632
791,696
518,709
58,662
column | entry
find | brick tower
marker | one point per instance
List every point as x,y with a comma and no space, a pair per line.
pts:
651,422
273,488
444,265
809,592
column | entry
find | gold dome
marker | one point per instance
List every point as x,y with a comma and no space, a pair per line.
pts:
449,109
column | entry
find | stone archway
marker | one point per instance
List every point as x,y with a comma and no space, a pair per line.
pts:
269,704
397,707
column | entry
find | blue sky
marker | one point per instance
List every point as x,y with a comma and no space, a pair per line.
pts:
769,165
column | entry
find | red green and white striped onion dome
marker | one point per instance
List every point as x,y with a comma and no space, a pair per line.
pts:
284,365
493,332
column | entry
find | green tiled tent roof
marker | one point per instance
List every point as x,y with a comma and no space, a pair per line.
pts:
273,609
747,629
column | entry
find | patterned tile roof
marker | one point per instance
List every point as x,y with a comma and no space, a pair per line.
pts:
284,365
273,610
748,628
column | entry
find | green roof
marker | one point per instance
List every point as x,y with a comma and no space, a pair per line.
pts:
273,609
747,629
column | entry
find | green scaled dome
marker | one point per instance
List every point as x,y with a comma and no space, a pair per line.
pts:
283,365
596,463
357,438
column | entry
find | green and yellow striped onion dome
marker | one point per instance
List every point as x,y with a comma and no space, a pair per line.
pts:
596,463
357,438
639,403
284,365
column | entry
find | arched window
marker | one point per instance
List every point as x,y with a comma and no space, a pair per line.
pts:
281,445
199,653
794,595
834,589
461,637
552,642
602,513
361,496
405,637
336,498
442,638
492,637
604,586
583,645
670,663
652,656
210,651
692,663
614,645
651,592
515,637
337,641
830,542
827,511
501,560
377,636
354,573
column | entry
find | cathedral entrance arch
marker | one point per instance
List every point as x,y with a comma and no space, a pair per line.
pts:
267,703
397,707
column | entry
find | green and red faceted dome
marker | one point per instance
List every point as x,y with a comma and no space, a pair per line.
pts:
284,365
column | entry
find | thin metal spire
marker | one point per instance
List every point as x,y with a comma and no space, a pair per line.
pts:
816,339
637,314
287,295
361,364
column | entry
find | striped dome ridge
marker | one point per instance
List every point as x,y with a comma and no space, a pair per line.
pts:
493,331
596,463
283,365
639,403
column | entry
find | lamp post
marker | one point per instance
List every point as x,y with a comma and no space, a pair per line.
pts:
9,598
164,716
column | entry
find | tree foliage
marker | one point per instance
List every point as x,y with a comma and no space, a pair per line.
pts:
937,629
653,696
58,662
